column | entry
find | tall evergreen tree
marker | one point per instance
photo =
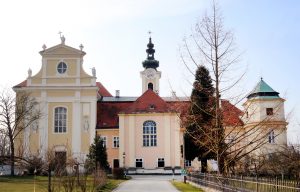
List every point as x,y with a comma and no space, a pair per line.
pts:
200,118
97,157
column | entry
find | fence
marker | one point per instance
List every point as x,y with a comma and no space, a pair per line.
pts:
245,184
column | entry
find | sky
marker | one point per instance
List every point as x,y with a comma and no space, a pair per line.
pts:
115,34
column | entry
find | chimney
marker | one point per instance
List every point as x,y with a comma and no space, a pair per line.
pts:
117,93
173,94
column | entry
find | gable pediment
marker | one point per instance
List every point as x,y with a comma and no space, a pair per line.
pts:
62,50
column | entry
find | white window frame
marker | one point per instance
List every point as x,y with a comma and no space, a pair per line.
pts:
104,139
64,73
149,134
187,163
66,120
117,142
139,161
271,137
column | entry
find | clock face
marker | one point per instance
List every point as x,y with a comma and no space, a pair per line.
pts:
150,73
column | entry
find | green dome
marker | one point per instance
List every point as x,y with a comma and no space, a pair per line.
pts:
262,89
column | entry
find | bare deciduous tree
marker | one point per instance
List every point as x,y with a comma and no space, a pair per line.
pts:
17,113
213,46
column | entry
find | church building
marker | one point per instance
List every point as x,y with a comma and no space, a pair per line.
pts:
141,133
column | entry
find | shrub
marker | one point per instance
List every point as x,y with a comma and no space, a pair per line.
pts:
34,163
118,173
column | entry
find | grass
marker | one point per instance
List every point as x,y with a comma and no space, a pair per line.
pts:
26,184
111,185
185,187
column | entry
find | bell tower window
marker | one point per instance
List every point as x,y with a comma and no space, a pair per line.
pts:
269,111
150,86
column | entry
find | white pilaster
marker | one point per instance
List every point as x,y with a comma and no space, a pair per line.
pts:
76,128
78,72
131,141
26,141
44,72
93,120
177,140
43,125
167,140
121,139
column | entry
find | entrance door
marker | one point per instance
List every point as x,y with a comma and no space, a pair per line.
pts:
116,163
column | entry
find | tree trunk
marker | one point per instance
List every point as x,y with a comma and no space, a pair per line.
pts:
12,159
203,165
49,177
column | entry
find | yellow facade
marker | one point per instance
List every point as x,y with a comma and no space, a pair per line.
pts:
71,88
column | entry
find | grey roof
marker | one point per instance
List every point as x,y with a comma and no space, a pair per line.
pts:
176,99
119,99
131,99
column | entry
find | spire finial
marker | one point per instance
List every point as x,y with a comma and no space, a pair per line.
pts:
81,47
150,32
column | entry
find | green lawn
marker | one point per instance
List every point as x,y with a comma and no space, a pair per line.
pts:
185,187
26,184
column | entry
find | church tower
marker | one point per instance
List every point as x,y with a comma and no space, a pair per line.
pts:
150,76
264,109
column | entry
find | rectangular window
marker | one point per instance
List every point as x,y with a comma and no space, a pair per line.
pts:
104,140
138,162
188,163
115,142
60,120
269,111
272,137
161,162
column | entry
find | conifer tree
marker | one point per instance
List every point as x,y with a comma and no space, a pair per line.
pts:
97,157
200,118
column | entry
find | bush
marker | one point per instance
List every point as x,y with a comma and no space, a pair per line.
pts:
34,163
118,173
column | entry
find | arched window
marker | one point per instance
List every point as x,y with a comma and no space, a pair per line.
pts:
60,120
150,86
149,134
271,136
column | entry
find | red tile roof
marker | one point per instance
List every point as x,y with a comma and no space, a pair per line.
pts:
149,102
231,114
102,90
107,113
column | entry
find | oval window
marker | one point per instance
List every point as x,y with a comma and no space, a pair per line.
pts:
61,67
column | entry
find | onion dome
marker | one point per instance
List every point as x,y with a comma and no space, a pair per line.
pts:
150,62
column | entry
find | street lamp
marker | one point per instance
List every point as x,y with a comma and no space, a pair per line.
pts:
124,155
